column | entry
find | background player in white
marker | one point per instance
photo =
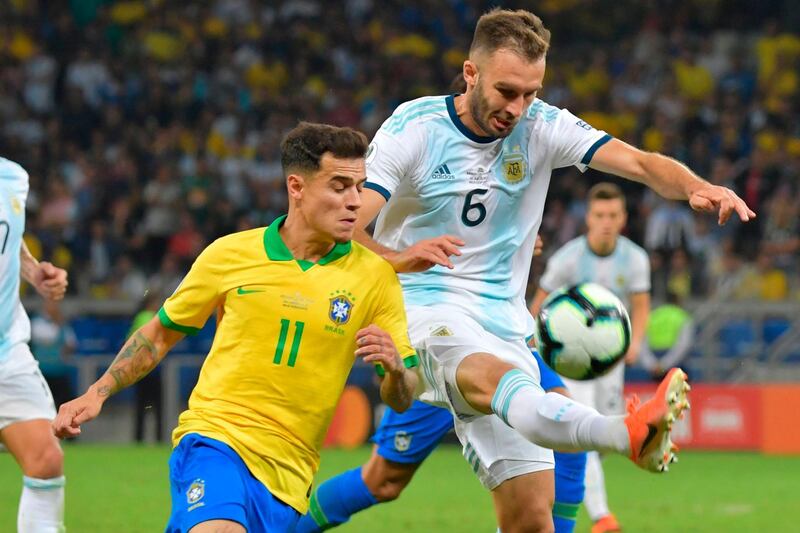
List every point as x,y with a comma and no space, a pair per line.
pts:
463,180
606,257
26,405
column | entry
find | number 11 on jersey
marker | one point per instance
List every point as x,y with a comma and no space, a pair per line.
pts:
298,334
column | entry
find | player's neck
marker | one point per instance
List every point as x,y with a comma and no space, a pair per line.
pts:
462,111
600,247
303,242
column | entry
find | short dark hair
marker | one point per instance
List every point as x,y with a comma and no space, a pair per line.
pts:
605,190
519,31
304,146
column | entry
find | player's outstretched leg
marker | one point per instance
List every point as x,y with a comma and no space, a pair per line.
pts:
403,441
491,385
569,473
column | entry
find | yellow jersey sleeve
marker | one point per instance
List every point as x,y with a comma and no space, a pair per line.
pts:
189,307
390,316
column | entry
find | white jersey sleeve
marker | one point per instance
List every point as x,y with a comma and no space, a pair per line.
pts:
573,141
640,271
396,150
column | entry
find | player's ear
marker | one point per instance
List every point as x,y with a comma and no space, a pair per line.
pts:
470,73
295,183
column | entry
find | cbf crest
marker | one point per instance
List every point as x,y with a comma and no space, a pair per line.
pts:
341,307
196,491
514,166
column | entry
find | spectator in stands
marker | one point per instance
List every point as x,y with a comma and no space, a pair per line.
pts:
52,342
670,337
148,390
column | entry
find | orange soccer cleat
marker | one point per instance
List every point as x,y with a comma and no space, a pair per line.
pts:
606,524
650,423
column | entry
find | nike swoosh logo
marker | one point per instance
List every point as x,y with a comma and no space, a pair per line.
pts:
651,432
241,291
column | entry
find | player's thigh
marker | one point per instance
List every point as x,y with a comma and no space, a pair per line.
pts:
609,393
525,503
218,526
35,448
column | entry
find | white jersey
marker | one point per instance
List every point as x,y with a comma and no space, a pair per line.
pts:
440,178
15,327
624,271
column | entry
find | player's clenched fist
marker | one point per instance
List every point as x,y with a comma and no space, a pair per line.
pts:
74,413
425,254
50,281
377,347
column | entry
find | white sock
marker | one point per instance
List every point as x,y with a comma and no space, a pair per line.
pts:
555,421
41,507
595,497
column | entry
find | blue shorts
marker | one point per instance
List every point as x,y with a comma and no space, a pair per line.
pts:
410,437
549,377
209,481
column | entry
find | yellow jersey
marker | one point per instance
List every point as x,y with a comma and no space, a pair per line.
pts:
283,347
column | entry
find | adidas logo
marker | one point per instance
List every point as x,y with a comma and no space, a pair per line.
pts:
442,173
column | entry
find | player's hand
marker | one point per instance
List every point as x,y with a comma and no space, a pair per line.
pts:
377,347
714,197
537,248
50,281
426,254
74,413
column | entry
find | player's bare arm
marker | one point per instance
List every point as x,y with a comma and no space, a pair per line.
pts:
48,280
421,256
640,311
140,355
399,383
669,178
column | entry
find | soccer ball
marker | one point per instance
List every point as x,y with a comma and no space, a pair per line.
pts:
582,331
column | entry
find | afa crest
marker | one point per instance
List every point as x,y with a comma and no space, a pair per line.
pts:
514,167
16,205
196,491
341,307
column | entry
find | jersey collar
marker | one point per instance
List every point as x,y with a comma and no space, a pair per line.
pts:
468,133
278,251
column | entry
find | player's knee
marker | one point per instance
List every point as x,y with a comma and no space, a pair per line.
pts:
386,480
477,377
46,463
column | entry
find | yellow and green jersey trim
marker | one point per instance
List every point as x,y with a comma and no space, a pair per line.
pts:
410,361
278,251
167,322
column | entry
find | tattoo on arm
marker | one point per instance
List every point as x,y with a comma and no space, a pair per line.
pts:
136,359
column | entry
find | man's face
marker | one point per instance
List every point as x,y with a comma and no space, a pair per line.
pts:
605,219
500,87
330,198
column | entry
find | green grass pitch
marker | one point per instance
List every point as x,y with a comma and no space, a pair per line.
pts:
125,489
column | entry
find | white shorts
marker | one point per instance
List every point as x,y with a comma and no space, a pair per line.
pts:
443,336
24,394
604,393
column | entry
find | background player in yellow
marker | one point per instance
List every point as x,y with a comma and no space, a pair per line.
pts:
296,302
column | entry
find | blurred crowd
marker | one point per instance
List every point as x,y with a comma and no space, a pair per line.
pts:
149,128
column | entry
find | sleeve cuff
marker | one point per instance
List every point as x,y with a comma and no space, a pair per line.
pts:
167,322
587,157
409,361
377,188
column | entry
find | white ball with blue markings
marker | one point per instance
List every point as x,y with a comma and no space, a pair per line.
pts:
582,331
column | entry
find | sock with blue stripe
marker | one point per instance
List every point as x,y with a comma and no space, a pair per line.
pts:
555,421
41,506
335,501
570,472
